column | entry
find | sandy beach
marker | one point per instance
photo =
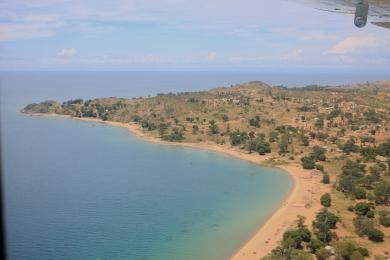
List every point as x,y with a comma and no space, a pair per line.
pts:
304,198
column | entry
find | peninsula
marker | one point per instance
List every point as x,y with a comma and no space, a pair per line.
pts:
333,141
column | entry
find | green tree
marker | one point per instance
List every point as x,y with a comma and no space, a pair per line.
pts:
322,225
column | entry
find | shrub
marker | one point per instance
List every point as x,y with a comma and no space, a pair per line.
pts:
305,141
308,163
237,137
382,193
355,169
319,124
362,225
136,118
255,122
347,183
326,200
371,214
294,238
175,136
356,255
384,220
320,167
345,249
384,148
322,254
375,235
318,153
213,128
325,179
349,146
362,208
359,193
315,244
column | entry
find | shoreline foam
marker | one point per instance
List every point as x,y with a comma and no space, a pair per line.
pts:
303,199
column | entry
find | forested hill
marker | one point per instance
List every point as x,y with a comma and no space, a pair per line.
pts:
333,112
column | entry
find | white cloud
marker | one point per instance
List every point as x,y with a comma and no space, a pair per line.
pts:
212,56
67,52
11,31
316,36
292,55
227,16
302,34
351,44
126,60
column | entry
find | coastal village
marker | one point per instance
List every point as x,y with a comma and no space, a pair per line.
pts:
333,141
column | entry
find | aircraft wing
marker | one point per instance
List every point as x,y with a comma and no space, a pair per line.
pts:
378,11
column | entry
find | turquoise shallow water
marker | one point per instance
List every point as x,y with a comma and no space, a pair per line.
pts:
83,190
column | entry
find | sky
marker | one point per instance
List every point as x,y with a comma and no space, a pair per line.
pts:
186,35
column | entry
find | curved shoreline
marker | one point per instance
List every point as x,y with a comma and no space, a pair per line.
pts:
303,199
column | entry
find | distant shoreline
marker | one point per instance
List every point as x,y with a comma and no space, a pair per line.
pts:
303,198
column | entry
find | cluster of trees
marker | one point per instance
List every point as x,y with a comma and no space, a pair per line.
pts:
368,152
355,181
363,222
148,125
259,144
251,141
175,136
317,154
323,225
301,243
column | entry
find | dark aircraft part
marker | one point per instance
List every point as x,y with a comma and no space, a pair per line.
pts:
361,14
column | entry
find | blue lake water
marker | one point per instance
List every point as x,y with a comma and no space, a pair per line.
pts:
84,190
